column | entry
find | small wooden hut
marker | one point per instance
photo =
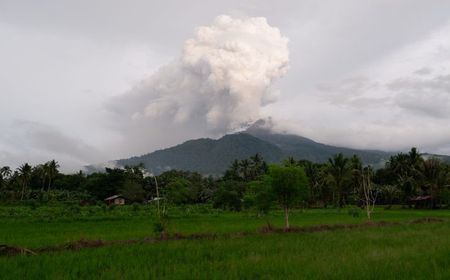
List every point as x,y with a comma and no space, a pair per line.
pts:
423,201
115,199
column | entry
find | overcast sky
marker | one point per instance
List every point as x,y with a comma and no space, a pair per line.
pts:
89,81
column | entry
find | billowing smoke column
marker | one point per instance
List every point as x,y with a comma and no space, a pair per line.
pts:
224,76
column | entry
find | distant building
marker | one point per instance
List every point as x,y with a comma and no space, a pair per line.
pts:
115,199
424,201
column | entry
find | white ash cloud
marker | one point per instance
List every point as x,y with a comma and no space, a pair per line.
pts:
225,75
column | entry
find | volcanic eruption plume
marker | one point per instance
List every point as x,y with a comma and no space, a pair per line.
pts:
224,76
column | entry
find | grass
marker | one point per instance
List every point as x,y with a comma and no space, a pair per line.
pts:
419,251
34,228
407,252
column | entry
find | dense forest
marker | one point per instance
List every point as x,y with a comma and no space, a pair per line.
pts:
409,179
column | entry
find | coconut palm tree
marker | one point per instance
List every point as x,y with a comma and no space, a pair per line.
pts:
338,169
433,177
51,170
258,167
245,167
406,168
25,171
41,171
415,159
233,171
5,173
356,170
290,161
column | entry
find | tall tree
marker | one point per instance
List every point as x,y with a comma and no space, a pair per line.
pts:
232,173
25,176
338,168
290,186
405,168
52,170
247,169
316,175
41,171
5,171
5,174
290,161
356,180
369,197
433,177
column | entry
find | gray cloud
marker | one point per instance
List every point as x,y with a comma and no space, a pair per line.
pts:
429,96
39,143
63,63
351,92
423,71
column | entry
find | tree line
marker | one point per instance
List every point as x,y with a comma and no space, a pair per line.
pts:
247,183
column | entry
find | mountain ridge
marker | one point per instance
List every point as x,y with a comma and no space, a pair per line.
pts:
213,156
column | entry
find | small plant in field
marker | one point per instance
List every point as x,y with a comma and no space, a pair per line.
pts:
354,212
160,226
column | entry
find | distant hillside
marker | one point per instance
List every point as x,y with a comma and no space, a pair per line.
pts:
207,156
303,148
213,157
443,158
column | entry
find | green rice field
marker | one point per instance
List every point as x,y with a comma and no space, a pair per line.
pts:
239,250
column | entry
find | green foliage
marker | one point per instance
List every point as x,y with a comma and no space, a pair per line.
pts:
229,195
337,182
260,195
289,184
132,191
247,169
179,191
339,171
